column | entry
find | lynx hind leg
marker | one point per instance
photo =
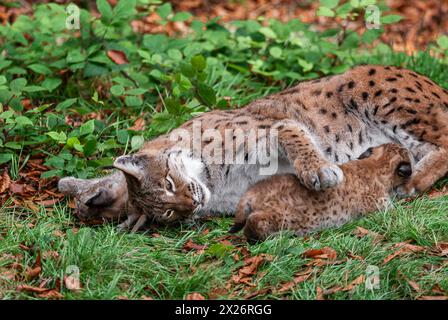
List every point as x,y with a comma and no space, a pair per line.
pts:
261,224
243,211
313,170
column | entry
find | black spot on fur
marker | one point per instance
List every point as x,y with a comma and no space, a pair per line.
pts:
378,93
409,123
353,104
371,83
411,90
323,111
351,84
390,112
349,128
366,112
329,94
327,129
372,72
435,95
365,96
392,79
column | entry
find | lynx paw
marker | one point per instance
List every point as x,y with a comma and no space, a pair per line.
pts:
325,177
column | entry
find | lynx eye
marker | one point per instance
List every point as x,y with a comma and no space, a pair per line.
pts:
170,184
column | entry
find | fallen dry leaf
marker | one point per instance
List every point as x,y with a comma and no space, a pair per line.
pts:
437,289
361,232
194,296
31,289
433,193
404,247
359,280
298,278
433,298
50,254
51,294
324,253
414,285
319,294
354,256
5,181
216,293
117,56
33,273
48,203
190,245
251,265
441,249
256,293
249,269
139,125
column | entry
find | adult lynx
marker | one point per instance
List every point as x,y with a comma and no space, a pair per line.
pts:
318,123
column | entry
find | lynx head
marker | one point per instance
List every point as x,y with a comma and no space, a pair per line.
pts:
164,185
390,161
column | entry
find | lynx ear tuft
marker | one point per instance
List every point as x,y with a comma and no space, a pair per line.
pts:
133,165
68,186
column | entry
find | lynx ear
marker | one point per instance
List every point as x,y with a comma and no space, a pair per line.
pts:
133,165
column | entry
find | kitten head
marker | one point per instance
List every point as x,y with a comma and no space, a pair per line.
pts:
390,160
164,185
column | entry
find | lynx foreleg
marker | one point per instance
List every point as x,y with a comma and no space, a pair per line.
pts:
313,170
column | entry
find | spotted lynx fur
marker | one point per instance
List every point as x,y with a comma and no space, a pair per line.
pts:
320,123
282,203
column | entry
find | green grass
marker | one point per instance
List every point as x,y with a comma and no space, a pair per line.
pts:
114,264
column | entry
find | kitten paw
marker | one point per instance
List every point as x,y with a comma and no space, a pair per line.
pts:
325,177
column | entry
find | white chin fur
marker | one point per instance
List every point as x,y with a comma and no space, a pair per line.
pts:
191,170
